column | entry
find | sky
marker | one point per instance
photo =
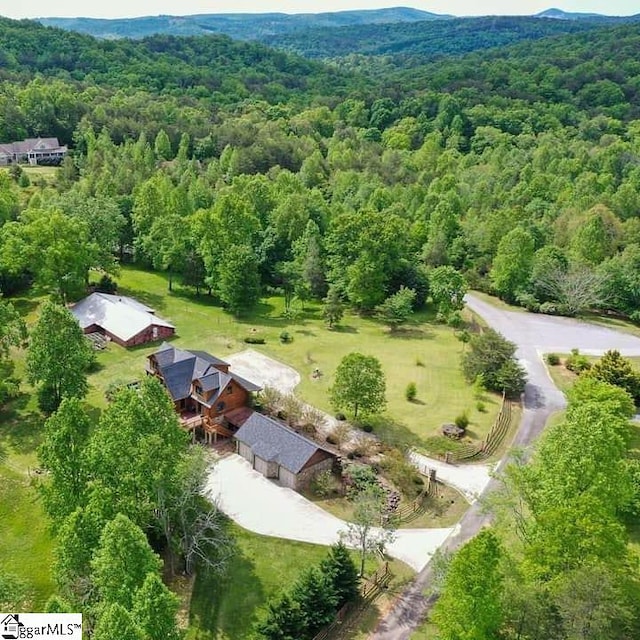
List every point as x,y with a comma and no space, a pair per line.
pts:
131,8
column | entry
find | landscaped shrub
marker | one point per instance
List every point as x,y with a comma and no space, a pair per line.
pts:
106,284
455,320
359,478
553,359
481,407
367,428
340,416
411,392
325,484
576,362
402,474
254,340
285,337
419,362
462,420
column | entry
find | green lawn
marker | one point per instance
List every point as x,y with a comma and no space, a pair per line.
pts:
227,607
425,353
25,544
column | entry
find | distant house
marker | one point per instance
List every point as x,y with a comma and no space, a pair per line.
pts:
33,151
124,320
278,452
212,401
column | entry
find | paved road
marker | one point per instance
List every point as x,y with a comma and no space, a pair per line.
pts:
264,507
534,334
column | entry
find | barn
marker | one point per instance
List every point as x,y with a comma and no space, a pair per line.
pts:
278,452
124,320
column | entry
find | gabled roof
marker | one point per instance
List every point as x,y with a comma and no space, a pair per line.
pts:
275,442
121,316
179,368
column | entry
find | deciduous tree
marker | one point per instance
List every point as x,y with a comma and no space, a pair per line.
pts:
359,384
122,561
58,357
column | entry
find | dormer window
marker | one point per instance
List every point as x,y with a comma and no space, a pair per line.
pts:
229,390
197,388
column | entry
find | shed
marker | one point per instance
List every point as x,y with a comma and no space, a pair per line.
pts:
278,452
124,320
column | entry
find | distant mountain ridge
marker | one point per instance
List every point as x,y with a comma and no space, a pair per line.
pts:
559,14
241,26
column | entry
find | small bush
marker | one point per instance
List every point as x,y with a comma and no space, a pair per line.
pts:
553,359
331,439
254,340
462,421
341,417
285,337
367,428
528,301
324,484
481,407
419,362
106,284
411,392
576,362
455,320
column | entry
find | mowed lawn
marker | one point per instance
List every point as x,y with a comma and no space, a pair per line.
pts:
227,607
25,543
425,353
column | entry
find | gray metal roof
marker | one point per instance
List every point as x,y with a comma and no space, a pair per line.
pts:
275,442
180,368
119,315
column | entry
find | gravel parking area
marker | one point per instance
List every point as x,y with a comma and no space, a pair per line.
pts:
263,370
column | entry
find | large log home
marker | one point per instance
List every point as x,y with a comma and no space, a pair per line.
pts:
212,401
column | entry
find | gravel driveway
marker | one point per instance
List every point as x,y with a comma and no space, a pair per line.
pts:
264,507
263,370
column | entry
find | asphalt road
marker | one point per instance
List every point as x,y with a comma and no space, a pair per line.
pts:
534,334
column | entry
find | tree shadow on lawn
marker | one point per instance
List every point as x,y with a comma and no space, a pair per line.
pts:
344,328
226,606
21,427
411,333
393,432
153,300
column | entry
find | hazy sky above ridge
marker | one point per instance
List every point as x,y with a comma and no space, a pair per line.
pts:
131,8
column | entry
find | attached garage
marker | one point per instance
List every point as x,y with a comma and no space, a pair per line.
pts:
278,452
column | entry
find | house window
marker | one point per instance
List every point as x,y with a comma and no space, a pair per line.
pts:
229,390
220,406
198,389
155,332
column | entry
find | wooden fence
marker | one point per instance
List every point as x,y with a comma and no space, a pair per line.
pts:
370,589
493,441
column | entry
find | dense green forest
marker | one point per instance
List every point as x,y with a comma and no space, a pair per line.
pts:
530,150
374,183
423,40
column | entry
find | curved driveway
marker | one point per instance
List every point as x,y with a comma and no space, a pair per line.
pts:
264,507
534,335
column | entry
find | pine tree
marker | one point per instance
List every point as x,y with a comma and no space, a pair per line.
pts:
284,620
340,567
318,600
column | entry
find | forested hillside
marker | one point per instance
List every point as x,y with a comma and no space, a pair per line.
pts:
379,185
527,152
242,26
423,40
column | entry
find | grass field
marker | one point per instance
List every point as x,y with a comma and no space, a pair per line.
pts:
25,543
425,353
227,607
